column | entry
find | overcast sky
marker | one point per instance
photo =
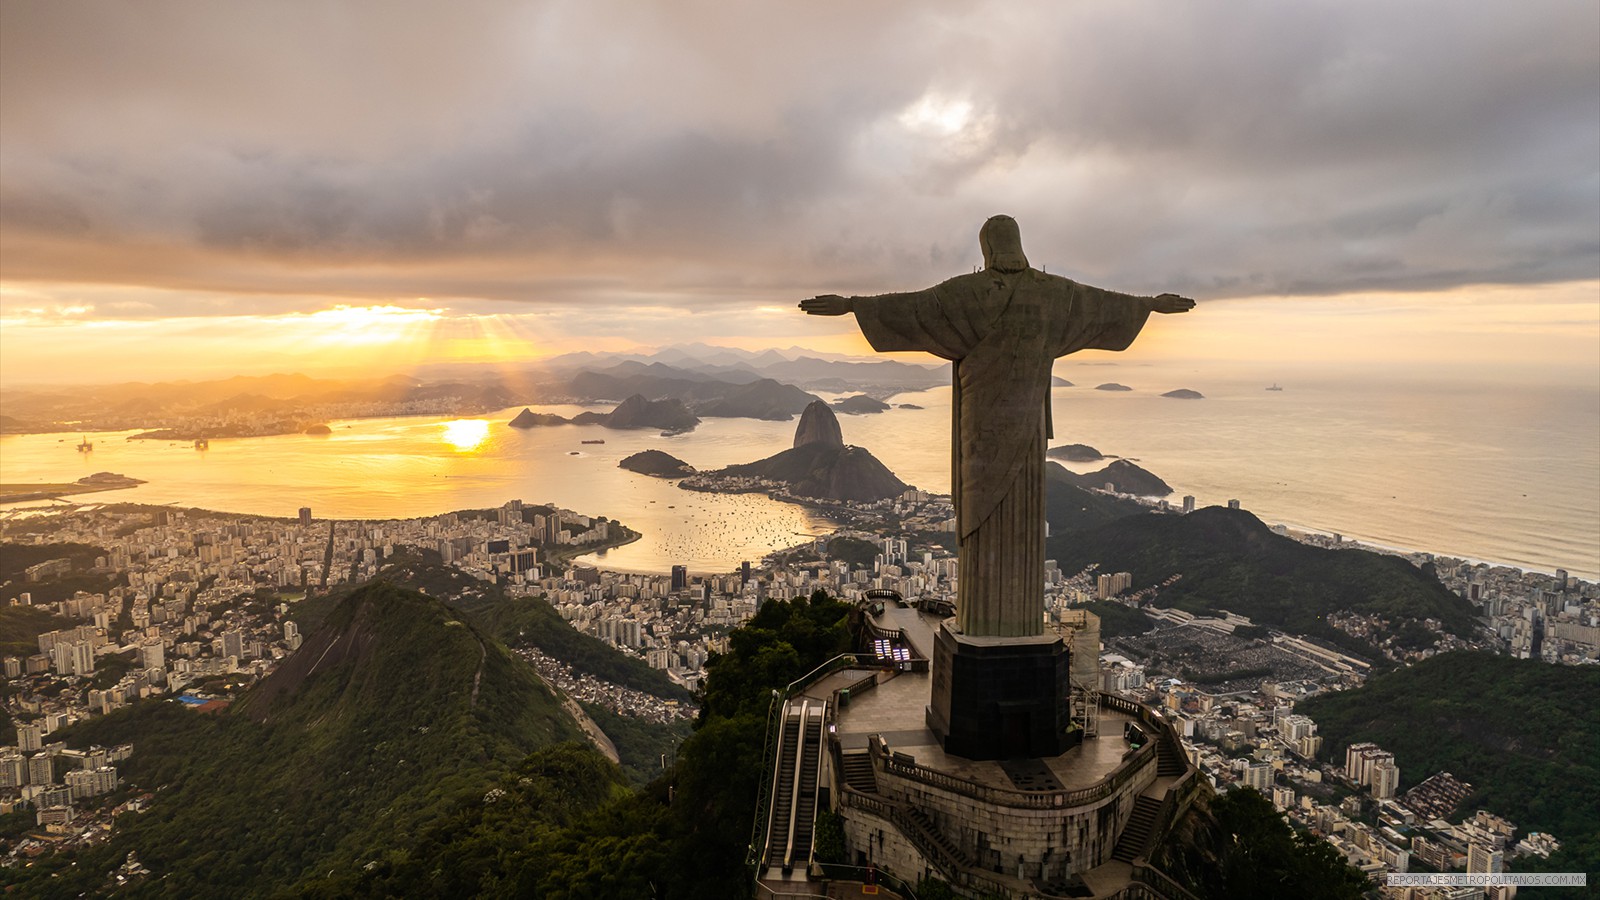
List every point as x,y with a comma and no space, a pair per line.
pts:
622,160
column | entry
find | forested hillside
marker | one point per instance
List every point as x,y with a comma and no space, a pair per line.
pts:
1226,559
1524,733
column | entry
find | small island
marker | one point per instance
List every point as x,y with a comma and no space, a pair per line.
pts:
860,404
1075,453
909,406
530,419
1112,386
670,414
319,429
1184,394
657,464
1058,381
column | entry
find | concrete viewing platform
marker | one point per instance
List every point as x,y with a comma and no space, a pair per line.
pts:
1071,824
895,712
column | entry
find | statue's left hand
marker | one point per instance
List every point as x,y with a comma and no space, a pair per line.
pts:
827,305
1171,303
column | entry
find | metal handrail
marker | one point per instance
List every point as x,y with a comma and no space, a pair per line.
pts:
823,669
759,831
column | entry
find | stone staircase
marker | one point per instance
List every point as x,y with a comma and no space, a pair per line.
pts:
946,854
1137,832
1170,758
857,769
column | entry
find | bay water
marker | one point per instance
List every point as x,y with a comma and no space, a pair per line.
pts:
1509,475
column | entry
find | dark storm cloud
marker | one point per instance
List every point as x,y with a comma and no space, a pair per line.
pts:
701,152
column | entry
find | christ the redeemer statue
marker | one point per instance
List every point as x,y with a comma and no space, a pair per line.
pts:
1003,327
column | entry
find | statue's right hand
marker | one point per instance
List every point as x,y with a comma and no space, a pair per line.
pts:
1170,303
827,305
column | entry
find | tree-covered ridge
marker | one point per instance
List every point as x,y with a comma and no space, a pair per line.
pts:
682,836
1229,560
1236,846
1525,734
20,627
16,558
531,621
412,713
514,621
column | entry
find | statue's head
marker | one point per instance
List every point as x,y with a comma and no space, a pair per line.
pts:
1002,245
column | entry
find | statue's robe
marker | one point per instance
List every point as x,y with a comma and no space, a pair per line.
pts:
1003,330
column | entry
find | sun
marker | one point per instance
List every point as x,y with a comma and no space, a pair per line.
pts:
466,434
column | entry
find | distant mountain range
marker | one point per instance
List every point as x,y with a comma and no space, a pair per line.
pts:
749,396
711,381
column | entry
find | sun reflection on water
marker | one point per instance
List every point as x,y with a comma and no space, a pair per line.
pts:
466,434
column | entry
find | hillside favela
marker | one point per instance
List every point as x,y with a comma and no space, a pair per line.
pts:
925,451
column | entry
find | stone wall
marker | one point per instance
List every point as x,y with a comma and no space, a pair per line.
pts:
1051,842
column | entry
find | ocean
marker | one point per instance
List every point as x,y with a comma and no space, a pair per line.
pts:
1506,475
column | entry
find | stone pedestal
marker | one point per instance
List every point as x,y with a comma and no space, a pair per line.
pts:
1000,698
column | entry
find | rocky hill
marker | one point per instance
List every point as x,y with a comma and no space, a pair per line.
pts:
818,425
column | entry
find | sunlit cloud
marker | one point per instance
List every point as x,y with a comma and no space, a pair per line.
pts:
937,116
341,206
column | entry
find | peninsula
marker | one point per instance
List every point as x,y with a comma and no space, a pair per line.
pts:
820,466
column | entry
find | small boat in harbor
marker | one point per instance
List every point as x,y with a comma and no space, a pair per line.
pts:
1275,387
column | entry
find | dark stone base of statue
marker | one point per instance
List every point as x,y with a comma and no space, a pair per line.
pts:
1001,698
